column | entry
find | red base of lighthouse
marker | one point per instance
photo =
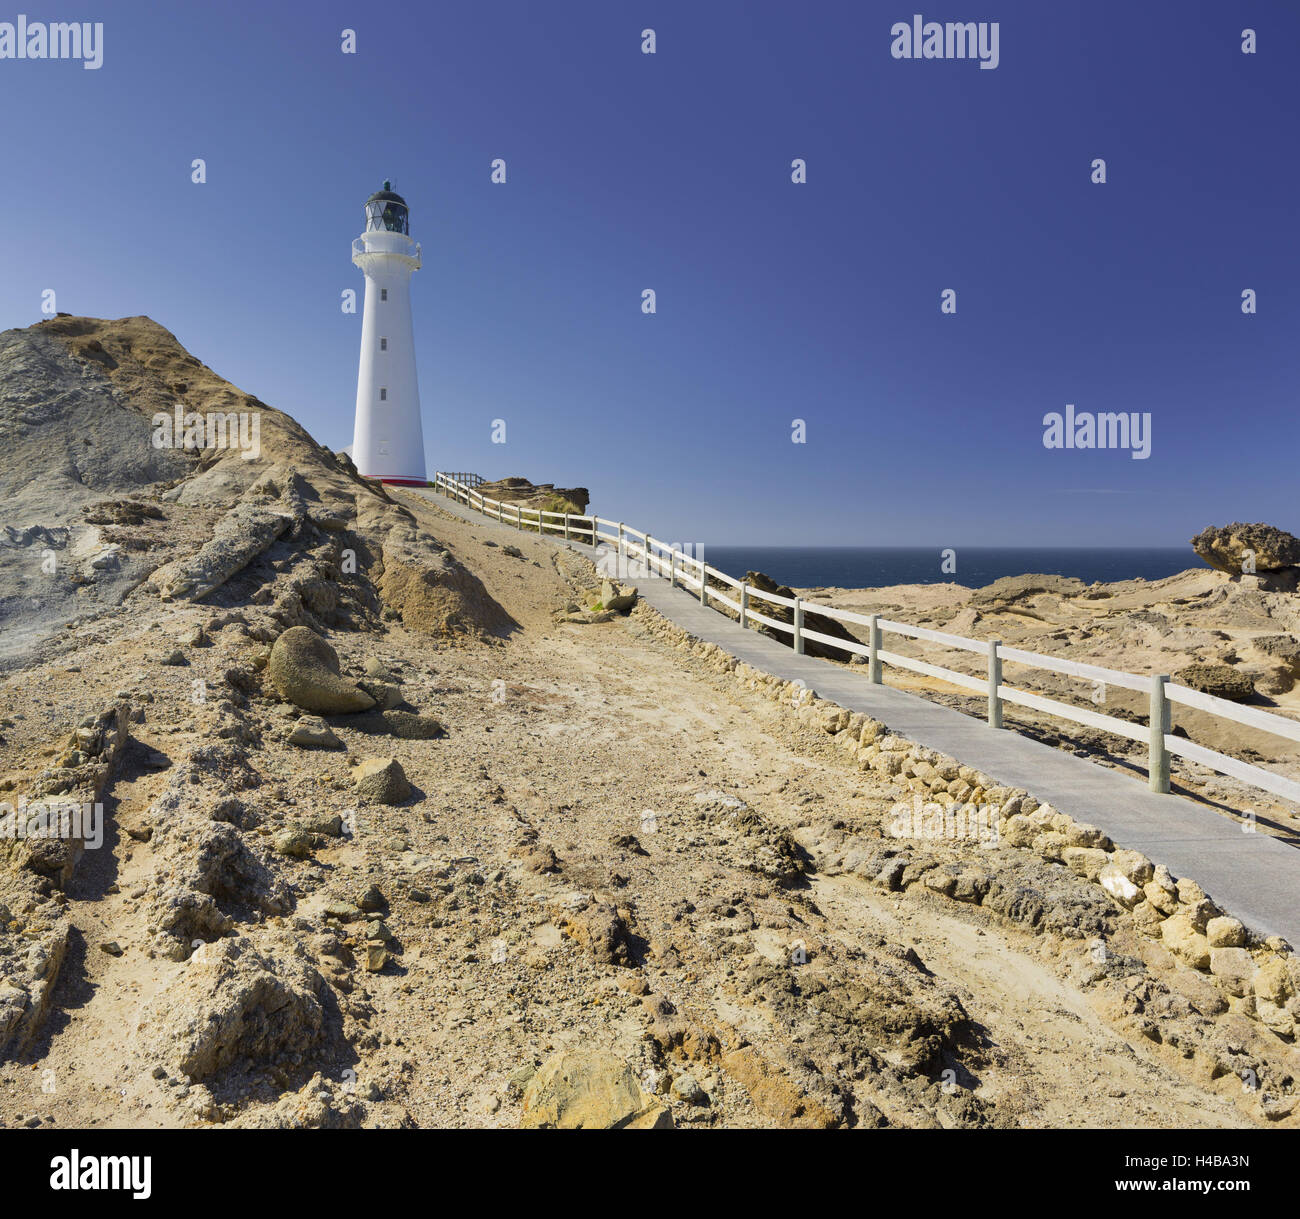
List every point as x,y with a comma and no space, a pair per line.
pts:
397,482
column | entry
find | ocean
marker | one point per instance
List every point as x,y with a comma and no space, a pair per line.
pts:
875,566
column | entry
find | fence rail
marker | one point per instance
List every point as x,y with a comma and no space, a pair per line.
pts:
660,559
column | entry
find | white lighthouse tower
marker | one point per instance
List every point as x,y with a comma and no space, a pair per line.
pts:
388,442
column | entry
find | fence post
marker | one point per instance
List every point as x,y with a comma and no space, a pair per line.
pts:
873,653
622,552
519,517
704,585
995,680
1158,755
672,566
566,526
649,566
744,606
798,625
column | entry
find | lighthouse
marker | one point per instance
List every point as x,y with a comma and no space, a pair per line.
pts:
388,441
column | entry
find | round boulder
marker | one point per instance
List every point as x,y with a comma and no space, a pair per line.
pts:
304,669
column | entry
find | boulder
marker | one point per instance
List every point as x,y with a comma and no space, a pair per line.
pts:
589,1090
381,780
1183,940
410,726
312,732
1234,969
1086,861
1118,885
1080,834
617,597
386,696
1136,866
294,842
1225,932
687,1088
304,669
1224,548
1273,983
1223,681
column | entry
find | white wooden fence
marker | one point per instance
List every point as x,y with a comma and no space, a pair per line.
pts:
658,558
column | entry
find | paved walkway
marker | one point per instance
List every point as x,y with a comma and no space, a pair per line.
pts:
1254,876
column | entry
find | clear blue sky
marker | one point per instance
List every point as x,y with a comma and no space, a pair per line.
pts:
775,301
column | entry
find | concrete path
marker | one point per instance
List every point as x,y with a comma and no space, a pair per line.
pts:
1254,876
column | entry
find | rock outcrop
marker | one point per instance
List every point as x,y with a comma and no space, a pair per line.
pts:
1010,589
545,496
1240,548
235,1006
1223,681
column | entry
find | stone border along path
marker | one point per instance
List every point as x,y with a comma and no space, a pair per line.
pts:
1252,876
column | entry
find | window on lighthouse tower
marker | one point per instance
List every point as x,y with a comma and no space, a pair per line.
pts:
383,344
383,395
383,294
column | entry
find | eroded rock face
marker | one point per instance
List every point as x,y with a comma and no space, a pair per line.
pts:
217,877
304,669
1225,547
